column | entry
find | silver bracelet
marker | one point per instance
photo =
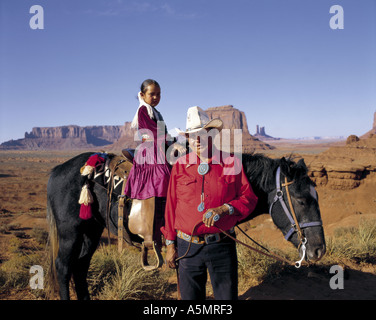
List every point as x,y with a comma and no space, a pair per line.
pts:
168,242
230,208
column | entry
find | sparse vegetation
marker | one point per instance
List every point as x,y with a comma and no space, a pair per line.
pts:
40,235
255,267
114,276
354,243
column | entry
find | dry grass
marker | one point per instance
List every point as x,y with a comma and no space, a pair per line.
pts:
354,243
255,268
114,276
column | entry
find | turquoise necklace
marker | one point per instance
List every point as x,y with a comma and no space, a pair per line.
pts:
202,170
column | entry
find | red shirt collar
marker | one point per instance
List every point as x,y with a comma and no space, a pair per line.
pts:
192,158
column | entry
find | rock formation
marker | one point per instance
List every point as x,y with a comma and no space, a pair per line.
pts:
261,134
235,119
65,138
115,138
373,130
345,167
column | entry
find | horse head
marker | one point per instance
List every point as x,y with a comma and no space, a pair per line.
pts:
294,208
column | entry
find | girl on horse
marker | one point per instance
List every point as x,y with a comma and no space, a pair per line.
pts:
150,174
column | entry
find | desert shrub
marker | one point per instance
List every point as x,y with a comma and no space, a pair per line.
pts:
15,245
355,243
15,273
20,234
4,228
114,276
13,226
255,267
40,235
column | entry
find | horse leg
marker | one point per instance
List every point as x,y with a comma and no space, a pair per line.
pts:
80,269
69,249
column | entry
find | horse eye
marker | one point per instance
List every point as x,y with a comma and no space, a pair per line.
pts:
301,202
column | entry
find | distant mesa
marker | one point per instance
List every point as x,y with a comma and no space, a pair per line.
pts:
261,135
69,137
235,119
114,138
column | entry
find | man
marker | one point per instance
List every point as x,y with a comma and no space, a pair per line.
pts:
208,190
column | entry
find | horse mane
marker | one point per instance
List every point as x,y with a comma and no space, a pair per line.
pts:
261,169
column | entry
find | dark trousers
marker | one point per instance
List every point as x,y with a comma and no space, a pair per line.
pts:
220,259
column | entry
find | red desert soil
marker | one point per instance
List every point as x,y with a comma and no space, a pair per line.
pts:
24,175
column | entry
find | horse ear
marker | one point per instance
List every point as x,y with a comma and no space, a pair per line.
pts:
301,163
284,166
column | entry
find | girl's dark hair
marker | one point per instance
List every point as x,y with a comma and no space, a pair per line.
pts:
147,83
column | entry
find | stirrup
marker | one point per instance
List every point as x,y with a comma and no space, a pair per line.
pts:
144,255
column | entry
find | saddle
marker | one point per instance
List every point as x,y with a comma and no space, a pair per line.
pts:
141,220
113,171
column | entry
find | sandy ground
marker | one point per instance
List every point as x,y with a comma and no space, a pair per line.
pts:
24,175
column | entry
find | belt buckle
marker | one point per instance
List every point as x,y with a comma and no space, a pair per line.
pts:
212,238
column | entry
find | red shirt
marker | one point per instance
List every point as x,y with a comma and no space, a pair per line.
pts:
225,182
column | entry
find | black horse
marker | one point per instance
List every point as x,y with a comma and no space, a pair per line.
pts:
75,240
266,176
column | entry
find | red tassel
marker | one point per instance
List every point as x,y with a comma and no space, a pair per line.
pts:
85,212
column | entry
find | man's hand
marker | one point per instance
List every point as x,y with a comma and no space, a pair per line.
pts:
211,216
171,256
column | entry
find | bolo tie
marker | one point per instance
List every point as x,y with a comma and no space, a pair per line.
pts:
202,170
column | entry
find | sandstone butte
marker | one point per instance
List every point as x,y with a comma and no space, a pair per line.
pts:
115,138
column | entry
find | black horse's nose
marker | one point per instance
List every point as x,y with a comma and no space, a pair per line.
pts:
316,253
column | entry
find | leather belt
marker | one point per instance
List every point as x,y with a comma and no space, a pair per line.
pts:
204,239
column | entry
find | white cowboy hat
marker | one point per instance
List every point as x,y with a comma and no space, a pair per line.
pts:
197,119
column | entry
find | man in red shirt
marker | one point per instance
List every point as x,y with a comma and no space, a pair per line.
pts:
208,190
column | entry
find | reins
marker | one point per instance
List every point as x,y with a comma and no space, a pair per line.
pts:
269,254
295,225
291,215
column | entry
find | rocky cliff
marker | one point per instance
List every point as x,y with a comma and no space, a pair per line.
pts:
345,167
235,119
261,134
115,138
65,137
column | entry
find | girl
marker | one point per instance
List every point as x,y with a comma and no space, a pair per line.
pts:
150,174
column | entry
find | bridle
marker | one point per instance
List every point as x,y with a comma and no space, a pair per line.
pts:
295,225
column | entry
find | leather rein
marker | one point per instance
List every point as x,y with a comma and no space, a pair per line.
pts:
295,225
291,215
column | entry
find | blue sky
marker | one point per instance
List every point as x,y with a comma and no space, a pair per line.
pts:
277,60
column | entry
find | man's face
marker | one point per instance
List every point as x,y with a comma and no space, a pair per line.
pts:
201,143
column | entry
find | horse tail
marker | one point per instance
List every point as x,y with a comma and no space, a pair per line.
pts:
53,247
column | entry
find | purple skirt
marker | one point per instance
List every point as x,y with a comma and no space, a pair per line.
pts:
150,174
